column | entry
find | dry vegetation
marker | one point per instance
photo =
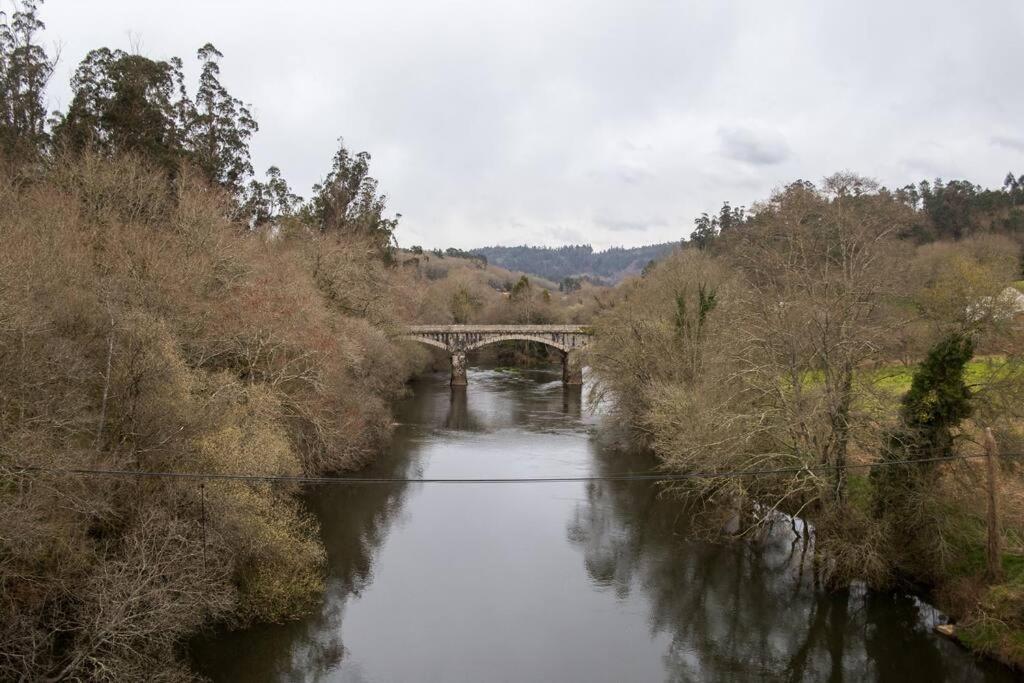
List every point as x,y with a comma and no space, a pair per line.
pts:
142,330
454,290
779,348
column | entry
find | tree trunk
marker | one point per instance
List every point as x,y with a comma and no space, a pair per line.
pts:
106,386
994,550
841,434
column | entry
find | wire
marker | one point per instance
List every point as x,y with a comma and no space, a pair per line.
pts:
202,476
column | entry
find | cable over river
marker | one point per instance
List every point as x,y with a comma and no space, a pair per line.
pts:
564,581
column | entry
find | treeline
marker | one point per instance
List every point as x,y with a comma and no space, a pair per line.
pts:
941,211
575,261
162,310
817,336
128,104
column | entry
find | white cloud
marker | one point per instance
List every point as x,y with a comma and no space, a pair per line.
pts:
756,147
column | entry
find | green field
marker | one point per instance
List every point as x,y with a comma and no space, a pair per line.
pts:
896,378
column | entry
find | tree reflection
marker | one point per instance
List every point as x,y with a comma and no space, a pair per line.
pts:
308,648
738,611
749,610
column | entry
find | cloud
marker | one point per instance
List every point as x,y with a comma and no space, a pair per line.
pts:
627,225
633,173
1016,144
757,147
567,235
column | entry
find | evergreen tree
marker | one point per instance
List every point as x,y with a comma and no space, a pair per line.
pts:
938,400
25,69
347,202
125,103
707,228
268,202
704,232
219,128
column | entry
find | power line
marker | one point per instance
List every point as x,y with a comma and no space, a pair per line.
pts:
682,476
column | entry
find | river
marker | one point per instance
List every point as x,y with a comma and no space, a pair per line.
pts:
570,581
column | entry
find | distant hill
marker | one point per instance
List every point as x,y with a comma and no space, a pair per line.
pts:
557,263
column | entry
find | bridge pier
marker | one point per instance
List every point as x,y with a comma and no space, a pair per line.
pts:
459,369
572,368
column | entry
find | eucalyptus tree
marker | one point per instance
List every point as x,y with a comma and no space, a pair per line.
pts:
347,203
25,69
219,128
127,103
707,228
267,202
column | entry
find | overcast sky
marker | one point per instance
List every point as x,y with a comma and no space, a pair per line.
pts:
611,123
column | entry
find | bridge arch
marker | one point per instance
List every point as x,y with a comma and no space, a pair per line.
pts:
516,337
428,341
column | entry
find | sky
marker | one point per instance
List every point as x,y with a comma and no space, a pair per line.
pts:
591,121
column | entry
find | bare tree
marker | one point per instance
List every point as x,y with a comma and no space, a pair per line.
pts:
820,270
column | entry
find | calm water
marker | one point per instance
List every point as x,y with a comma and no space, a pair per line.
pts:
561,581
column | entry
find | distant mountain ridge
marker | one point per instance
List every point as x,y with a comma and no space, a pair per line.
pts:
576,260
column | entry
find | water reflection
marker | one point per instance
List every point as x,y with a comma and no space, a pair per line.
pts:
598,581
750,609
459,416
302,650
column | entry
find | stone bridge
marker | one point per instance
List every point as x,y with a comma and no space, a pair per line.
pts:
457,340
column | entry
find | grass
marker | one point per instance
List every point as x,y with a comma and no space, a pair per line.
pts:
858,491
994,638
996,626
974,562
896,379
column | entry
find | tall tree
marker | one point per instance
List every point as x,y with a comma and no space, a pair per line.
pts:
25,69
707,228
269,201
951,207
220,127
818,265
126,103
347,202
1014,187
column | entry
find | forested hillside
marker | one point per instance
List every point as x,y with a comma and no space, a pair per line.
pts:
576,261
